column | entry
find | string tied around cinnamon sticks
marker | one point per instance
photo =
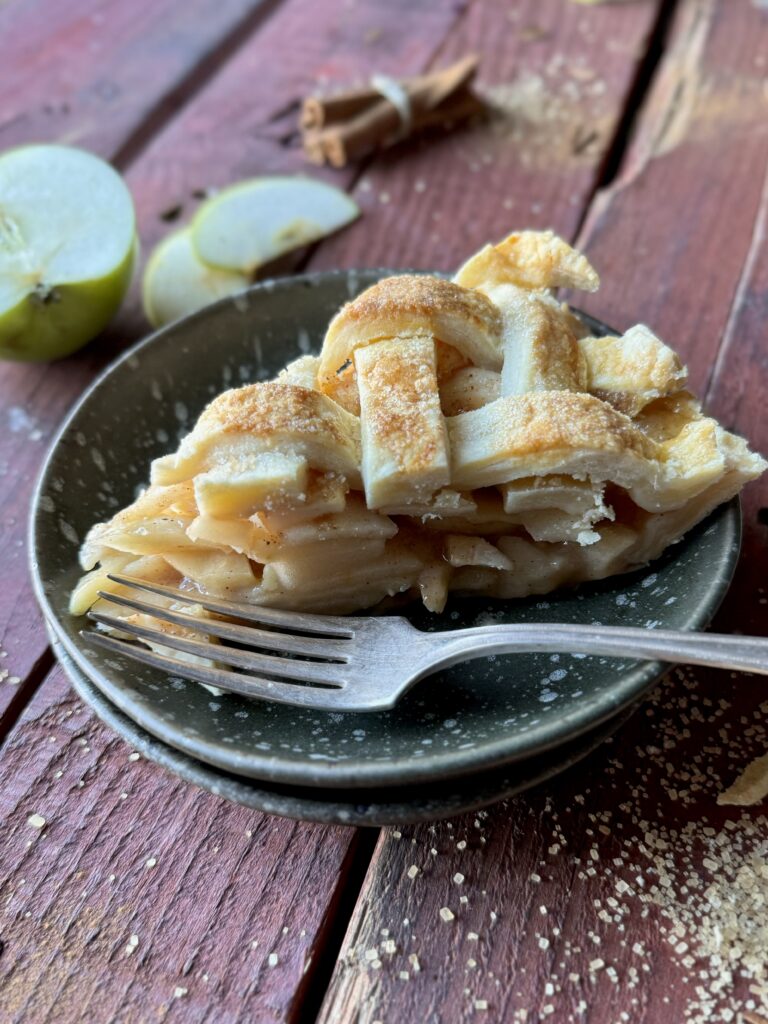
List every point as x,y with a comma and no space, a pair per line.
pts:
339,129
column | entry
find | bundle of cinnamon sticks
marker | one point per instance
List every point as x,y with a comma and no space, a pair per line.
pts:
342,128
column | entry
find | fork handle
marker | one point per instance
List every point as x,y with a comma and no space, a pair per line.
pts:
742,653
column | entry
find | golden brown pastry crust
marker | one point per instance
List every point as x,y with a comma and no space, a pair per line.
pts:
541,347
460,319
403,433
529,259
267,417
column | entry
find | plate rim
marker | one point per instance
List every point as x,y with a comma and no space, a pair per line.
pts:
303,807
630,688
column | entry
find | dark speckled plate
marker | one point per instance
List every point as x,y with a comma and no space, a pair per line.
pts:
393,805
466,719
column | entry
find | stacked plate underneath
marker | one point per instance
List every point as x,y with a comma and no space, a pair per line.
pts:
461,739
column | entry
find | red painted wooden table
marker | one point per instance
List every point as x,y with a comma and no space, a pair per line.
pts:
622,891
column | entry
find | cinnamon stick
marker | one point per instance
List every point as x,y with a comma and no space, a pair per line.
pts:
342,128
317,111
342,145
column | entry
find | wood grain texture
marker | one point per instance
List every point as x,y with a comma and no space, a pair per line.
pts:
663,772
736,390
88,73
588,900
679,219
556,77
209,889
567,901
690,208
226,133
245,122
91,72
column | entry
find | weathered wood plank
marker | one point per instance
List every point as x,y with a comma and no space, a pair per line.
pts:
679,217
90,73
557,77
209,890
590,900
244,123
222,136
697,273
736,394
518,843
87,73
574,894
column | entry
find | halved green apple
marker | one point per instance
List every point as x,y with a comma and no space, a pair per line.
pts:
67,243
177,282
256,221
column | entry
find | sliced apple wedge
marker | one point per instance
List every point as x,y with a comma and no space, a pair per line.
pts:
176,282
254,222
67,242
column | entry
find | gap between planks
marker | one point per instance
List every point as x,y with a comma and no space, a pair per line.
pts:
647,67
312,991
728,337
196,79
26,690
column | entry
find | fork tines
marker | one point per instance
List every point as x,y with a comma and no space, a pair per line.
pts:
322,625
311,679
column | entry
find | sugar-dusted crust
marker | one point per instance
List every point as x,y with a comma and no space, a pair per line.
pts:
632,371
404,437
562,432
274,409
460,319
529,259
541,345
267,417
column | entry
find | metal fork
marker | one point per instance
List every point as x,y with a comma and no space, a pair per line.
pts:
366,663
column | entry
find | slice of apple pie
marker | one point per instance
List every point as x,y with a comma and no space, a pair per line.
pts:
465,436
